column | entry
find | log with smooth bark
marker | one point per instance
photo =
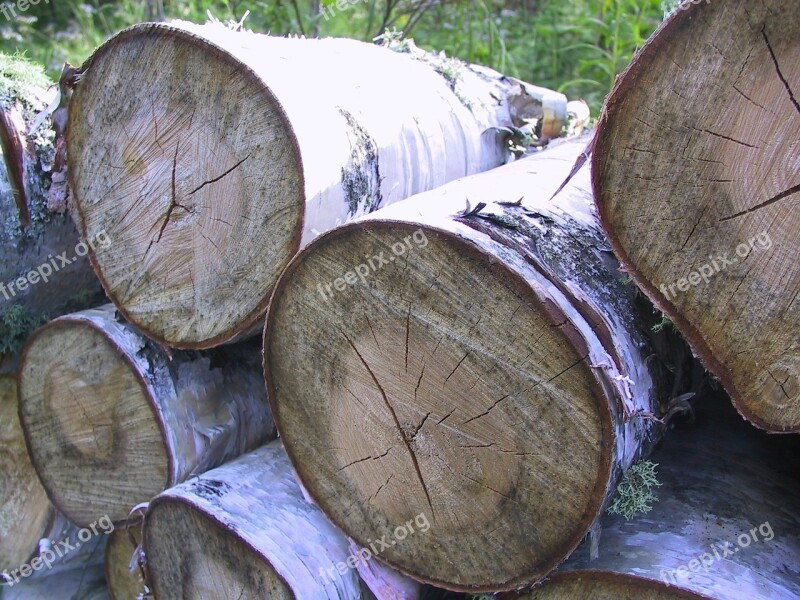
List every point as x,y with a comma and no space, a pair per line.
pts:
37,235
212,168
111,419
484,367
726,523
244,530
697,180
123,573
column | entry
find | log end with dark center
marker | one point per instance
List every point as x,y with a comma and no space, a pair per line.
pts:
94,437
435,408
190,168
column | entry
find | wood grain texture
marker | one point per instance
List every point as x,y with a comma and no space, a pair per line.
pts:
697,180
25,511
244,530
111,420
729,500
213,169
489,375
123,582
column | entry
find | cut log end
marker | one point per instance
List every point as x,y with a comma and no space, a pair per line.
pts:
123,584
210,157
599,585
699,192
87,418
243,530
199,559
450,392
25,511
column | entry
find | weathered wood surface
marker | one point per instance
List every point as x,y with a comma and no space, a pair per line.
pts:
111,419
212,170
483,368
697,180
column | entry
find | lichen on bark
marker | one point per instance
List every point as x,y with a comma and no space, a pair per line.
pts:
361,180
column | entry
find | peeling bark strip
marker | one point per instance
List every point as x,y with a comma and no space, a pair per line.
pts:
295,136
726,524
696,154
244,530
101,404
493,379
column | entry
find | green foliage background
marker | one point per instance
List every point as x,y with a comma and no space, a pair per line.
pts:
574,46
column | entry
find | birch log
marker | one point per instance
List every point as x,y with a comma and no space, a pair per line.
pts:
697,180
244,530
484,368
726,524
37,236
111,420
211,167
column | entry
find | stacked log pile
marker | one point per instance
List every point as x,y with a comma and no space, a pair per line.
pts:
461,356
